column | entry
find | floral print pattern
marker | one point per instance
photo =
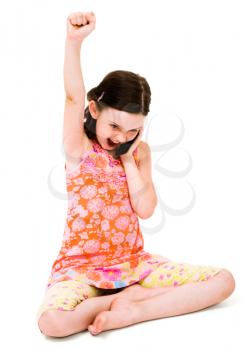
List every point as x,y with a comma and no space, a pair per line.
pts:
102,247
102,243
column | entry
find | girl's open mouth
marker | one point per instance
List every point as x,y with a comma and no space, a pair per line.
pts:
111,143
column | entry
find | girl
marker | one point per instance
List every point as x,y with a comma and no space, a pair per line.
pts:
103,278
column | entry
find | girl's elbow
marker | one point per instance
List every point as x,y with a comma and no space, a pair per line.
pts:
144,216
147,213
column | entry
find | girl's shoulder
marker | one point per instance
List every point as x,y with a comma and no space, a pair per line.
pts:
72,160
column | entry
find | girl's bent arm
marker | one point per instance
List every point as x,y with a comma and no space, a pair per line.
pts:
143,197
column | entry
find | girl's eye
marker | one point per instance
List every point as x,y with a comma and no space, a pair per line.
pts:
115,126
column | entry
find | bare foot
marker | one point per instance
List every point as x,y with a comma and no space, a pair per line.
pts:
122,313
137,292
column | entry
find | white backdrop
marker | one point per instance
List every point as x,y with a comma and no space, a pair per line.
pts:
192,54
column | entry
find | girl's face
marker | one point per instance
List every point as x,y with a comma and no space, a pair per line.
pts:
114,127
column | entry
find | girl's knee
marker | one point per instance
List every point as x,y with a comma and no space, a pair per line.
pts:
53,323
229,281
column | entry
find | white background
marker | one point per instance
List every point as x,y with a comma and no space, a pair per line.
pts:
192,54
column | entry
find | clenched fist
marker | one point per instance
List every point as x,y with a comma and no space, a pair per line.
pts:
80,25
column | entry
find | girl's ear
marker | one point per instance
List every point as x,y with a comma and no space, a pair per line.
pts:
93,110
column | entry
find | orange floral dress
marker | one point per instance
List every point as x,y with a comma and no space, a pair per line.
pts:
102,243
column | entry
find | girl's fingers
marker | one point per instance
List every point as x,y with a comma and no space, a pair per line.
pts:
78,21
140,133
90,18
72,20
91,15
79,18
84,20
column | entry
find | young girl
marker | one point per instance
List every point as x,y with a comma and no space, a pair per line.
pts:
103,278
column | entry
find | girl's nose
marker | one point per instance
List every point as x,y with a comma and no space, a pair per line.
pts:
120,139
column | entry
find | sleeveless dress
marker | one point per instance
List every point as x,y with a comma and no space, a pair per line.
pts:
102,244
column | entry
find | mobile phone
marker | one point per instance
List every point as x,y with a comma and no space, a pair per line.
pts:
124,147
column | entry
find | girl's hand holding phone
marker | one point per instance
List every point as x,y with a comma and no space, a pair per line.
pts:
80,25
129,154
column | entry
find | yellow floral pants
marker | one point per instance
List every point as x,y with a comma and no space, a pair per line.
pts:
65,295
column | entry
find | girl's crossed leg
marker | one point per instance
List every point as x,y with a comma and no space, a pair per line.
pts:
175,289
70,306
98,312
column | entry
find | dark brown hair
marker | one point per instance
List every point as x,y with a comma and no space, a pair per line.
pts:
123,90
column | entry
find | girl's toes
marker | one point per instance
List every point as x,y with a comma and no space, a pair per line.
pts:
92,329
100,320
99,323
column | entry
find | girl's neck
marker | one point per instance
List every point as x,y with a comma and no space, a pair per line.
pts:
111,152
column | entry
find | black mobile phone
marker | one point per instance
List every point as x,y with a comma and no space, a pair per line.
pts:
124,147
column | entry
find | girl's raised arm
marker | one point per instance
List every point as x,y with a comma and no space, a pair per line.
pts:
79,25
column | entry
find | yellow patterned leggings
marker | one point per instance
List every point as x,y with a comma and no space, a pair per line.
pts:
66,295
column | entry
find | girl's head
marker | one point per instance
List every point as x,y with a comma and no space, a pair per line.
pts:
117,108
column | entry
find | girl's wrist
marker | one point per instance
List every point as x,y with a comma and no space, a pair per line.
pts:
127,158
73,42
